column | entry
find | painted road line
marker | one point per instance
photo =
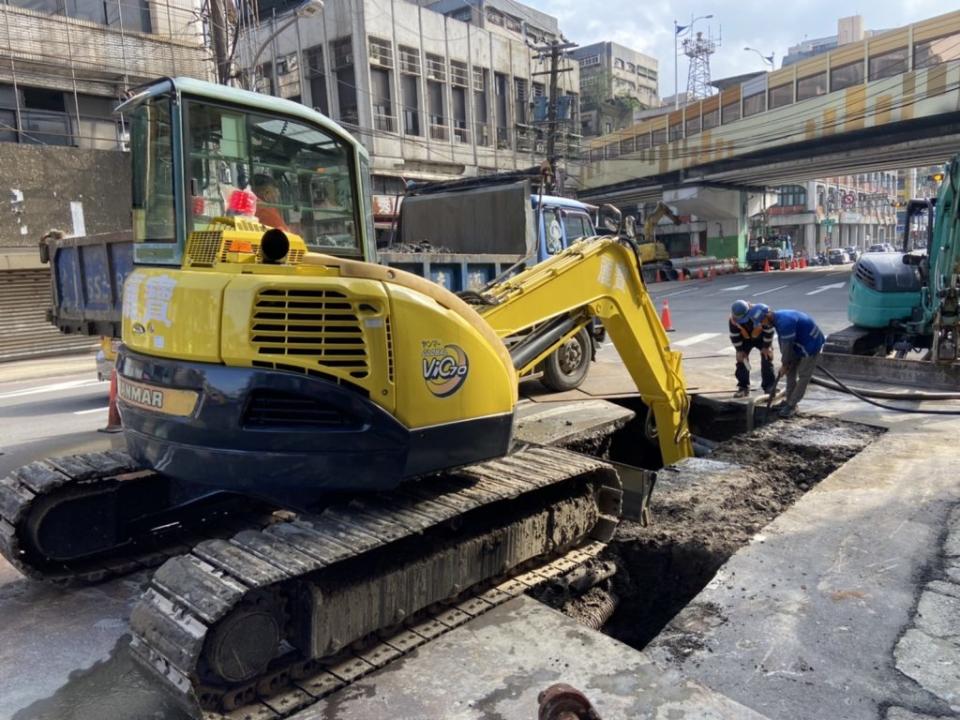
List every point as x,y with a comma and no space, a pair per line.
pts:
695,339
734,287
72,385
822,288
764,292
94,410
678,292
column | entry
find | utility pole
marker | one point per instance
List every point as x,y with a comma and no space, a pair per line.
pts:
218,37
554,52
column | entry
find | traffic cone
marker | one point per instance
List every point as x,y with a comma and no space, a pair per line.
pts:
659,277
699,273
665,317
803,263
113,415
766,266
681,276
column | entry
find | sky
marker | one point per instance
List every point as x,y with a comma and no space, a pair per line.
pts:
769,26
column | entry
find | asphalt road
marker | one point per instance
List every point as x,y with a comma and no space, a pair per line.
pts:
700,308
51,416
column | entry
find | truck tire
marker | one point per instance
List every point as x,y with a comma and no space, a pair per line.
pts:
567,367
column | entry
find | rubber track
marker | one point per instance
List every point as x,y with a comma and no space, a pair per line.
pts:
301,685
27,484
189,594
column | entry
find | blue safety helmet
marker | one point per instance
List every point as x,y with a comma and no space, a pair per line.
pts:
739,310
758,312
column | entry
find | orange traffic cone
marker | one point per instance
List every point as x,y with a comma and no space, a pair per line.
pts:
803,263
665,317
699,273
681,275
659,277
766,266
113,415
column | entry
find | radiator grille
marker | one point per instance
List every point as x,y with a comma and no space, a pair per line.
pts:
204,247
270,409
865,275
319,325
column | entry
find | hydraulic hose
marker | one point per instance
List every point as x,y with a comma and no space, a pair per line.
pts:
883,394
861,396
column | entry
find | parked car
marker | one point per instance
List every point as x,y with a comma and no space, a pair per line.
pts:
853,253
881,248
838,256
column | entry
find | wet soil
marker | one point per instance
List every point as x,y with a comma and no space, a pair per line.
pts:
703,512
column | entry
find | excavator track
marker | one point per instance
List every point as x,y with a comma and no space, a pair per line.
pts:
99,488
251,617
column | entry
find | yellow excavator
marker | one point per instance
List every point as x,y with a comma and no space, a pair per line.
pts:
653,252
269,364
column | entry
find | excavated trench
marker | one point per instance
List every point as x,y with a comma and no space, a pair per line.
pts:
702,512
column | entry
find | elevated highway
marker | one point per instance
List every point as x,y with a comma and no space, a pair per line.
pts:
887,102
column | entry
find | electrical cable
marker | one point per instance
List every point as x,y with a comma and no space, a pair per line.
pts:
861,396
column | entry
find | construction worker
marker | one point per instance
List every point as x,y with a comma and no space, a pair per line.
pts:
800,344
745,334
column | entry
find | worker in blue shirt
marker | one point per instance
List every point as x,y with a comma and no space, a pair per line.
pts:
746,335
800,344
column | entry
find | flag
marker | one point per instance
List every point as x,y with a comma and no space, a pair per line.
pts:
681,28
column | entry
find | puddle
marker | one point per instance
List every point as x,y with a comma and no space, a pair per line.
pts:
114,689
703,512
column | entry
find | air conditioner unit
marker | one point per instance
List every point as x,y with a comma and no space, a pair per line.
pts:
539,148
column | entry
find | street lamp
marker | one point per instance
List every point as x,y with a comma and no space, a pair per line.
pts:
677,29
768,59
308,8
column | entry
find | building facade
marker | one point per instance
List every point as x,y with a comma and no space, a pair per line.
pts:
847,211
432,96
615,83
63,68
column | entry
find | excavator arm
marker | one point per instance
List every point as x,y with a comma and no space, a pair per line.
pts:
597,278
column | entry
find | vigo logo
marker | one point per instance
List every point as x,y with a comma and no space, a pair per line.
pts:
444,367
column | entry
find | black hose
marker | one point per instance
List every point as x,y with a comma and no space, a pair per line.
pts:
884,395
861,396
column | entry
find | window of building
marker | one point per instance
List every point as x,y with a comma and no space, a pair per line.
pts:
494,18
711,119
136,13
888,64
380,51
643,141
458,100
500,86
659,137
409,60
410,97
436,107
481,106
781,95
730,112
43,118
346,80
436,68
520,100
676,131
692,126
753,104
812,86
846,76
458,74
936,51
590,60
511,23
628,145
618,64
383,118
317,78
792,196
631,67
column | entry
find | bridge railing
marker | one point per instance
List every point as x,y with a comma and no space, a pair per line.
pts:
900,52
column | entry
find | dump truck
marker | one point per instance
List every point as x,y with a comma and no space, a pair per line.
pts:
318,447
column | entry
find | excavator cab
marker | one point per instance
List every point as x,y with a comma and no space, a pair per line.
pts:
202,153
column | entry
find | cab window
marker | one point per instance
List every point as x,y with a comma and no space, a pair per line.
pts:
287,174
552,231
576,226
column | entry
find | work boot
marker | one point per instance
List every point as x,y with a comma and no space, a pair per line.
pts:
742,392
767,389
786,412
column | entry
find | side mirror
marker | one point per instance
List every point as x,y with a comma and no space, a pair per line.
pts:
610,218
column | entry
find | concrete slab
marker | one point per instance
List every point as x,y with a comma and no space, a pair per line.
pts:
564,423
496,665
818,616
